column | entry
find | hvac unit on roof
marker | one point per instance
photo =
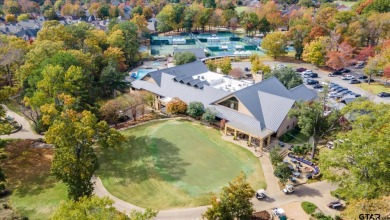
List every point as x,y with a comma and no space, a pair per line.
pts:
202,77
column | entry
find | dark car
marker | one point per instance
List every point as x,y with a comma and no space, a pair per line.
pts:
343,70
354,81
384,94
247,69
333,84
317,86
369,80
300,69
335,88
362,77
314,75
311,82
340,89
337,73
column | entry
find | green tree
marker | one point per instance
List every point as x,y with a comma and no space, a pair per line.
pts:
112,80
137,10
23,17
287,76
204,17
227,15
74,134
132,42
372,67
298,33
283,172
250,22
225,65
103,11
274,156
257,65
211,65
264,26
209,115
209,3
195,109
275,44
315,52
184,57
361,160
313,121
97,208
233,202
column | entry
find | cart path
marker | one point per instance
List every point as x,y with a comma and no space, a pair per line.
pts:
26,132
317,193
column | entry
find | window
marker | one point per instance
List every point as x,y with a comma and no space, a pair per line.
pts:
230,103
288,126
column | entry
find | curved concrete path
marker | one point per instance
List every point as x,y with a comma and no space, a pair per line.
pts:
26,132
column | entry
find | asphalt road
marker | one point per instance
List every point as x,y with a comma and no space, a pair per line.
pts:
323,77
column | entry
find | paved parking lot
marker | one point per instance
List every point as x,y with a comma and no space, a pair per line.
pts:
323,77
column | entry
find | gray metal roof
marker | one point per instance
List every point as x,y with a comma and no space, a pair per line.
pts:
185,70
169,88
268,101
301,92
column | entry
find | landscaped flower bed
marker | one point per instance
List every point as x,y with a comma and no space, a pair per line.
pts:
263,215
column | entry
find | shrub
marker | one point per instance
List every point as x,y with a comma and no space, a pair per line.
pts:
184,57
321,216
283,172
10,18
209,115
195,109
308,207
274,156
23,17
176,106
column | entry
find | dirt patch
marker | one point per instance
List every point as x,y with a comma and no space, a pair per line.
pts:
263,215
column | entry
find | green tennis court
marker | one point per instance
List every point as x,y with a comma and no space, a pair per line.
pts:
174,163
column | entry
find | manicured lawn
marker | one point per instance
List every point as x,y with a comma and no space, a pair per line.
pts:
174,163
35,194
241,9
294,137
373,88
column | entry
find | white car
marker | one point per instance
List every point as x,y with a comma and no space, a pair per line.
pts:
307,72
347,77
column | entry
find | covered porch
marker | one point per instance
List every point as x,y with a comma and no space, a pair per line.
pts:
252,140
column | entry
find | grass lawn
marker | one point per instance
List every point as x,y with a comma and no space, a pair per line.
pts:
241,9
294,137
174,163
14,106
35,194
346,3
373,88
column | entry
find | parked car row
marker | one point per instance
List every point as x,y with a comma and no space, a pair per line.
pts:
337,91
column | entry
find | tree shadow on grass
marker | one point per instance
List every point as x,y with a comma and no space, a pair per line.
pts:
142,158
28,169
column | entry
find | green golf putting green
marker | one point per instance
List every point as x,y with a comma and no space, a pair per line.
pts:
174,163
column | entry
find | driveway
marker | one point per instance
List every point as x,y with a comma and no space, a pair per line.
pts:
26,132
323,77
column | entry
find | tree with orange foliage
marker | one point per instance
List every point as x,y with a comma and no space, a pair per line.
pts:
176,106
340,58
366,53
386,74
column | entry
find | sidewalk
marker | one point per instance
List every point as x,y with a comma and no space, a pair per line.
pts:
26,131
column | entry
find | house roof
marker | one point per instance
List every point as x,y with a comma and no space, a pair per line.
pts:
199,52
268,102
185,70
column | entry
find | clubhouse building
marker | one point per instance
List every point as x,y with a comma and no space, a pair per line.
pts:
255,111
